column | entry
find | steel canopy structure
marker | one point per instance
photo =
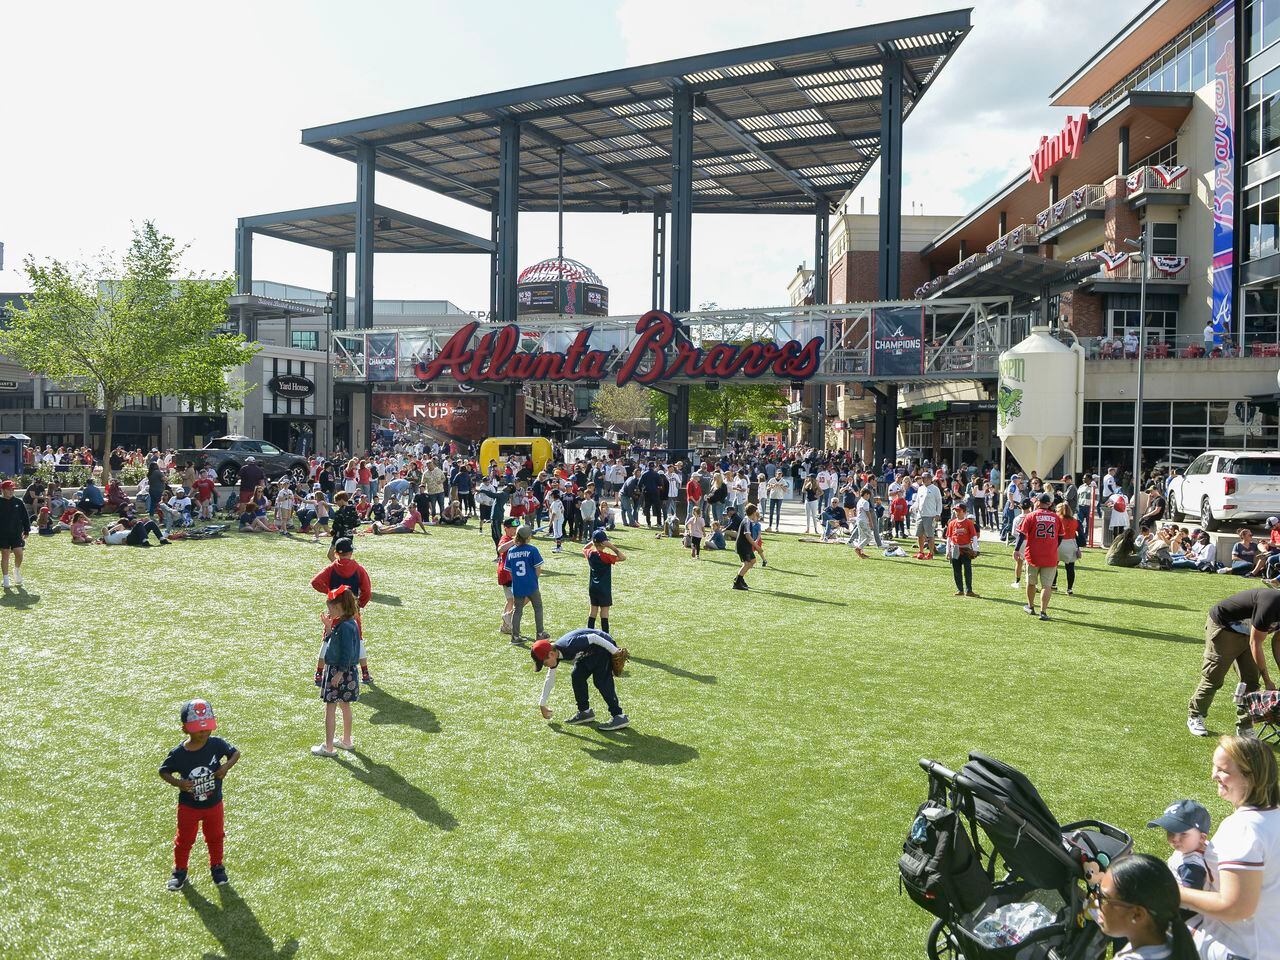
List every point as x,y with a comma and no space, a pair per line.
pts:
788,127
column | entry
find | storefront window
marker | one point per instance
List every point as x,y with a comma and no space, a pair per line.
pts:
1173,432
1262,25
1261,324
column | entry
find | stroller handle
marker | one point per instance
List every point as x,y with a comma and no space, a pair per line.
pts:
933,768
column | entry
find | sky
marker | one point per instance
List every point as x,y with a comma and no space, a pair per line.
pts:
190,115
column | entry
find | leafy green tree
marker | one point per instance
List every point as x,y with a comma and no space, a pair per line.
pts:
626,408
759,405
128,326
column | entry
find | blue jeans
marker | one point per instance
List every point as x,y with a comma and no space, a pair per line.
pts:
630,511
1082,515
775,513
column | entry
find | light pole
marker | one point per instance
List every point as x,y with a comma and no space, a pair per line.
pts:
329,300
1141,245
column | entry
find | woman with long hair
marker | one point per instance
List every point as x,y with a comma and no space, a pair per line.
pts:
810,493
1242,917
1137,901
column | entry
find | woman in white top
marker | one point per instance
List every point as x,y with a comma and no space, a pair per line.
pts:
1242,917
776,489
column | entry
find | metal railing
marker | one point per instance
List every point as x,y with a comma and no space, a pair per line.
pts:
1023,235
1162,179
1131,272
1091,196
1162,346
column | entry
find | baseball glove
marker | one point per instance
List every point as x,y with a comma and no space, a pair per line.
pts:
620,660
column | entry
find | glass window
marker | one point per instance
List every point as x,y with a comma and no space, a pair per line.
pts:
1186,413
1117,435
1253,466
1092,409
1117,412
271,450
1164,239
305,339
1154,436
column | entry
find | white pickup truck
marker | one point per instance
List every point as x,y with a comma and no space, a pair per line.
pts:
1226,486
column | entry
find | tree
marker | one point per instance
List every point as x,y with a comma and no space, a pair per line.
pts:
624,407
759,405
128,326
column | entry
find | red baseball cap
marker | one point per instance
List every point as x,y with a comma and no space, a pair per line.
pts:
8,485
198,715
539,651
336,592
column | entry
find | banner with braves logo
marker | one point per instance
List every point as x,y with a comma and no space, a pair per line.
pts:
1224,162
380,356
897,341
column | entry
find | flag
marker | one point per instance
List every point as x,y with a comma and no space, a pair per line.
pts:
1111,260
1169,265
1077,197
1042,218
1059,208
1132,181
1168,174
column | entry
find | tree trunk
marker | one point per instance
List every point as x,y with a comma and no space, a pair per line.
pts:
106,445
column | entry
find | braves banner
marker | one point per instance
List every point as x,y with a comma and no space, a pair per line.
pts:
1168,174
380,356
1224,181
1112,260
897,341
1169,265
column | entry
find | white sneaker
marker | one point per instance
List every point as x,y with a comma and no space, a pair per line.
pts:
1015,585
1196,726
17,578
6,581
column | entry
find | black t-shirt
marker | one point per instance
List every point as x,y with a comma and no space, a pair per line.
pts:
199,766
1260,607
422,503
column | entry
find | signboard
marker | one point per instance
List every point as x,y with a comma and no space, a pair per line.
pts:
1224,177
380,355
897,341
8,384
465,418
656,355
567,297
537,298
290,386
1063,145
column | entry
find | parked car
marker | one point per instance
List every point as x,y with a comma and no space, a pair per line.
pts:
1225,486
227,455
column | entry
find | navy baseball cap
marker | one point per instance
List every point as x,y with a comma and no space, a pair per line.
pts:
343,545
599,536
1183,815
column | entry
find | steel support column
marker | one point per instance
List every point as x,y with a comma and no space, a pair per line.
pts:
338,285
890,258
659,255
507,220
1122,155
365,214
244,259
681,246
818,425
821,268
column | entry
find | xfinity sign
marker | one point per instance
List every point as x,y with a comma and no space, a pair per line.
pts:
1064,145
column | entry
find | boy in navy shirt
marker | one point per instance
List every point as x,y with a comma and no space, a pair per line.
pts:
591,653
601,555
523,561
196,768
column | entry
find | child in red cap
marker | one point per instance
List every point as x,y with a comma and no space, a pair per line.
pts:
15,527
196,768
339,685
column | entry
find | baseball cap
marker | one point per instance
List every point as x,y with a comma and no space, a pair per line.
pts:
1272,521
599,536
1044,498
8,485
338,591
539,652
511,522
1183,815
248,459
198,715
343,545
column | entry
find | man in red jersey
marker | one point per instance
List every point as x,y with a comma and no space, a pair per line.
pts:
1042,529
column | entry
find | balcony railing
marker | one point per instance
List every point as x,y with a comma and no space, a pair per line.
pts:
1165,178
1023,235
1167,346
1131,271
1092,196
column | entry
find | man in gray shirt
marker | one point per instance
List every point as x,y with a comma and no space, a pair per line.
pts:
930,509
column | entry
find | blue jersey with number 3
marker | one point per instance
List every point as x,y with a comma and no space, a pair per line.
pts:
522,562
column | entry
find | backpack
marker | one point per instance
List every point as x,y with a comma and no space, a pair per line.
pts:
939,867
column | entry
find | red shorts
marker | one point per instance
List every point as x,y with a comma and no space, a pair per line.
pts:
245,495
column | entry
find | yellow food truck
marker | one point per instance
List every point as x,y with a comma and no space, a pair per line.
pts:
499,448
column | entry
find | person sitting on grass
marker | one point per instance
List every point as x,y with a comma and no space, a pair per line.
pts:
715,539
1123,551
80,529
117,501
133,533
410,523
1244,555
452,515
45,527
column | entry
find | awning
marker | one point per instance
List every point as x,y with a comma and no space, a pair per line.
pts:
1020,275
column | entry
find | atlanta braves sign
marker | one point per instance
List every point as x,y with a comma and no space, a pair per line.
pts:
660,352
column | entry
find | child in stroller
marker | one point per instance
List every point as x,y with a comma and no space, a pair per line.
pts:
1035,908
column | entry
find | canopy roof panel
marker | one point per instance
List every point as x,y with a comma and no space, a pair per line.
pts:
777,126
333,227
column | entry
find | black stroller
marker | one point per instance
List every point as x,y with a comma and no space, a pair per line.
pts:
1035,908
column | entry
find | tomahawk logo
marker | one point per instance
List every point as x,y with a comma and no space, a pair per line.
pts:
1009,404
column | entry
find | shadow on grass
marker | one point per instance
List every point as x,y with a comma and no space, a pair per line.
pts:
674,671
236,928
796,596
1137,602
792,573
398,790
619,746
390,709
386,599
18,598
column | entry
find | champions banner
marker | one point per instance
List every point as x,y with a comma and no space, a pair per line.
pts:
380,356
897,341
1224,68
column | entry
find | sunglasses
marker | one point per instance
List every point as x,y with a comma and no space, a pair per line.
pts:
1100,899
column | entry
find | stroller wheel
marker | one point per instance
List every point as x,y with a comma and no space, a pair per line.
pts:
942,943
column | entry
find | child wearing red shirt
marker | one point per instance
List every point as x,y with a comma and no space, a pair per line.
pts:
204,491
898,510
962,541
508,537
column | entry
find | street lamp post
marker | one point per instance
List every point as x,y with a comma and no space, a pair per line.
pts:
1141,245
329,301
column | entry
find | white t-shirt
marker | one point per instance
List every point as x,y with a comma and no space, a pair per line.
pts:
284,499
588,509
1248,840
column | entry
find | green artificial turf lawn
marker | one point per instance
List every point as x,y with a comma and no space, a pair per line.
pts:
755,808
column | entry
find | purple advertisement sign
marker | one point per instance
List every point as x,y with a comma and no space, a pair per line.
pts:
1224,179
